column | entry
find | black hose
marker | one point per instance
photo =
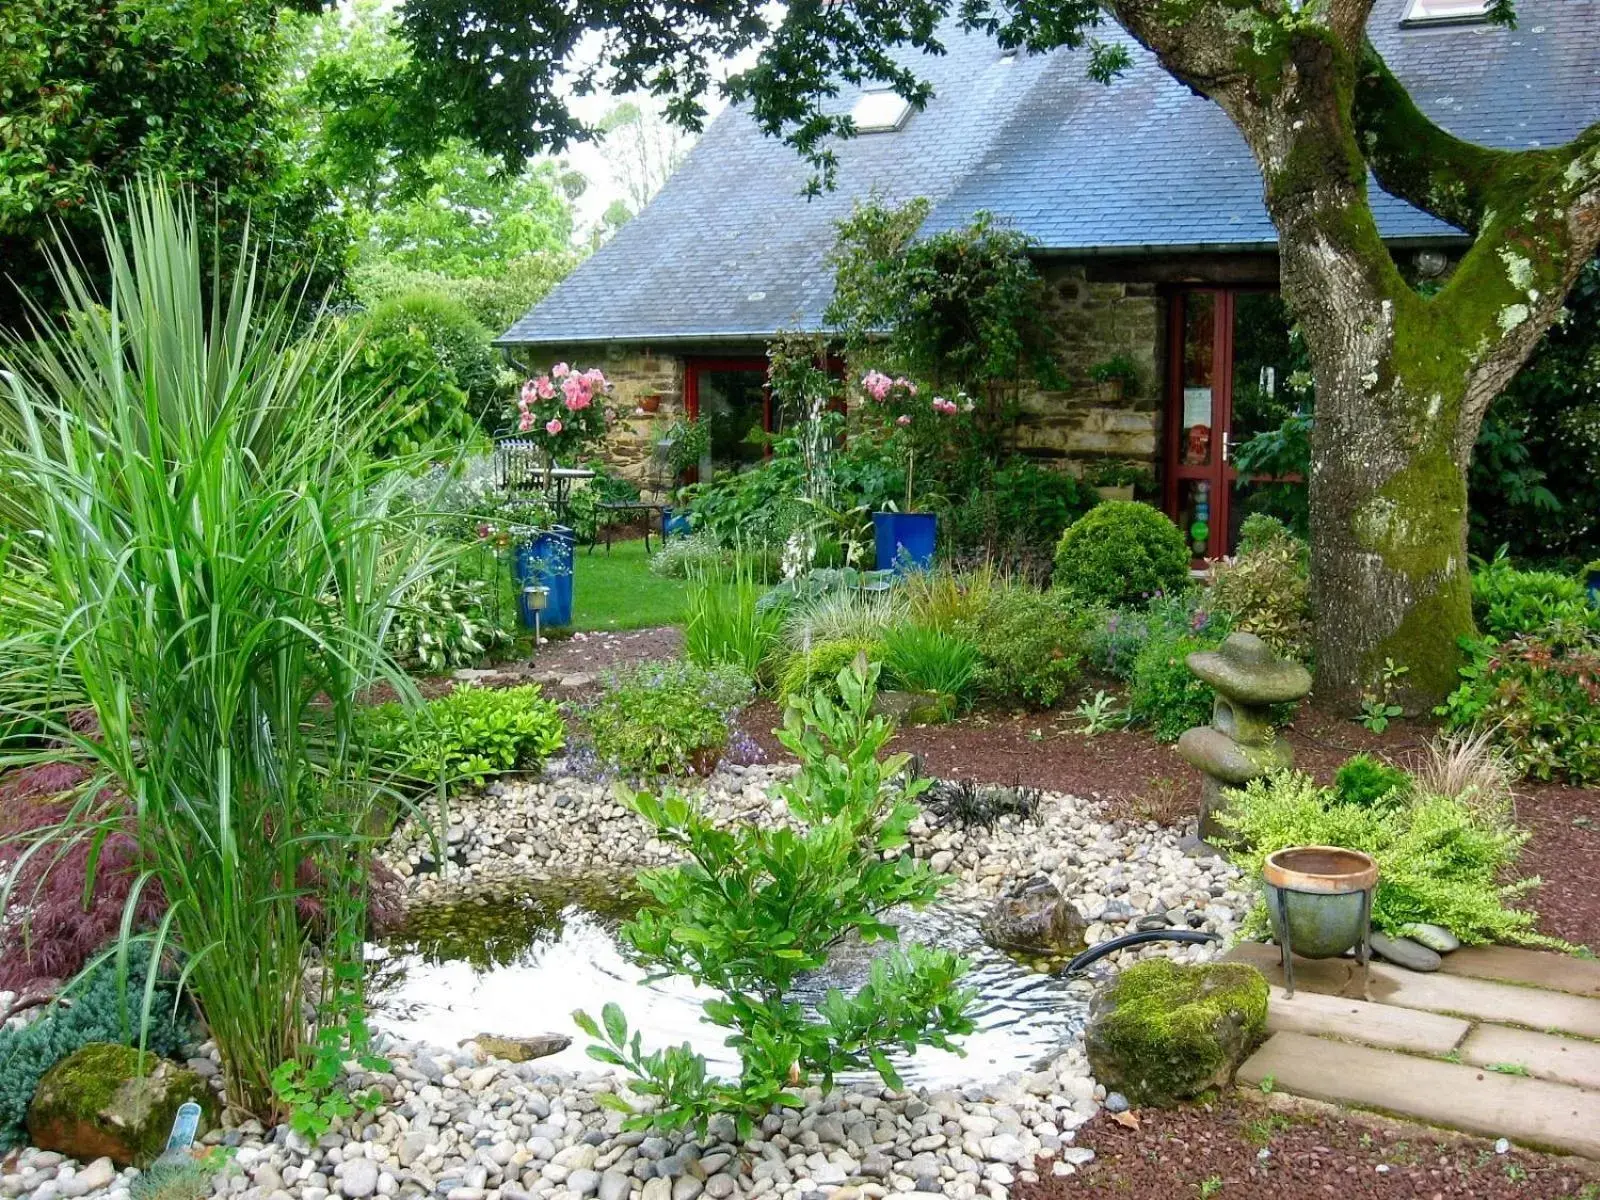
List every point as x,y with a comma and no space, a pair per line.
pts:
1095,953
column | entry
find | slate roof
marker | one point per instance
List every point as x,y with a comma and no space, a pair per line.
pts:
730,250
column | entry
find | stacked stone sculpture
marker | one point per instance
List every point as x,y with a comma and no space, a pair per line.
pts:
1240,743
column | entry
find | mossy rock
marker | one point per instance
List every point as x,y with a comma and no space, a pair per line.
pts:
111,1100
1162,1031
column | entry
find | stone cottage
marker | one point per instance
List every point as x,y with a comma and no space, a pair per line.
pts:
1142,200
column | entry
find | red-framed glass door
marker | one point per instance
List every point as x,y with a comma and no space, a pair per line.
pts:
733,397
1197,478
1234,360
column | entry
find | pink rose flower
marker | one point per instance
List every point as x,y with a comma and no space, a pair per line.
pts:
560,370
596,378
553,426
902,382
877,384
903,419
529,390
941,405
575,388
525,422
546,390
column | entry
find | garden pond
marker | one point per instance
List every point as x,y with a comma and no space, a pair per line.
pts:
517,963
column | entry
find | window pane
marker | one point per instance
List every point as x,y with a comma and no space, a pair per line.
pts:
1194,516
1199,376
734,405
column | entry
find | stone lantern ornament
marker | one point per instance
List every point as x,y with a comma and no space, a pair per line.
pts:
1240,744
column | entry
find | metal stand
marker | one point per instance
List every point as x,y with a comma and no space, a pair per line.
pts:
1363,946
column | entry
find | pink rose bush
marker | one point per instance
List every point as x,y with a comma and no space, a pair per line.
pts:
908,422
563,411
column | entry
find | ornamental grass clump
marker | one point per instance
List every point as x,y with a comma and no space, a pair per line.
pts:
225,553
755,907
1442,860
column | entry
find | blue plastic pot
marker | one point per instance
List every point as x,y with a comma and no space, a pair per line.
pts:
546,561
674,524
905,541
1593,584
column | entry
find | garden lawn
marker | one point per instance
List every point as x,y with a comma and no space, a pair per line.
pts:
618,591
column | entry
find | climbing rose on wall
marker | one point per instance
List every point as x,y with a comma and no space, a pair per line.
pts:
558,412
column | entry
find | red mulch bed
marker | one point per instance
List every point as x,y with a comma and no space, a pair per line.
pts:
1215,1150
1138,775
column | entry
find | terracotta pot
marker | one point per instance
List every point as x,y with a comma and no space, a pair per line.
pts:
1115,491
651,403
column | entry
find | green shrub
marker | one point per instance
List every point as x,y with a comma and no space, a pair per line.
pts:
1259,530
1507,602
725,621
395,358
1163,692
1538,696
448,621
685,557
755,907
667,717
815,667
1367,781
472,733
98,1010
1441,860
461,346
1266,590
1120,552
842,613
919,659
1031,644
1018,514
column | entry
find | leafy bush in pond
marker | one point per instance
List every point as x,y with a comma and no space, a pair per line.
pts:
1121,551
1367,781
1538,697
472,733
919,659
1507,602
815,667
755,907
1440,859
98,1009
1031,644
669,717
1266,590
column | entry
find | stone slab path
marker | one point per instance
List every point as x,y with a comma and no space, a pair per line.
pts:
1502,1043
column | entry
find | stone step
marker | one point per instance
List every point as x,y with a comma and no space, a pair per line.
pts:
1531,968
1563,1060
1532,1112
1383,1025
1477,999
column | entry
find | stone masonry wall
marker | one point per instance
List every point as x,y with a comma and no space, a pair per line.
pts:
635,372
1082,423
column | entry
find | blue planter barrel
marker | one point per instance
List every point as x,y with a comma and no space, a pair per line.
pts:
1593,584
546,561
905,541
674,524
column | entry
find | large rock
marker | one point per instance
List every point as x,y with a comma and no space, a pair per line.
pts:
1161,1032
522,1049
111,1101
1034,918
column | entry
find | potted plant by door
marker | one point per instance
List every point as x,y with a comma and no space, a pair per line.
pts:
904,538
1114,378
1115,480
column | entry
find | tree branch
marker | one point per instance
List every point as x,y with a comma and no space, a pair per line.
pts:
1418,161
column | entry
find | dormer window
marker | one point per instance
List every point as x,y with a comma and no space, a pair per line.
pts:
880,110
1440,12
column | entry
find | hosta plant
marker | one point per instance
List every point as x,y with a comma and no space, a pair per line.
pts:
752,908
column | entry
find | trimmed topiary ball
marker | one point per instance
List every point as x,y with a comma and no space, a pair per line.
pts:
1120,552
1161,1032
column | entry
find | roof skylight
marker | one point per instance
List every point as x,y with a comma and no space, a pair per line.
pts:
880,111
1425,11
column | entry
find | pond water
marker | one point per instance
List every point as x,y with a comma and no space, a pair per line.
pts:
518,965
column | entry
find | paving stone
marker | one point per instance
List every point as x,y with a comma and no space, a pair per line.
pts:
1536,968
1562,1060
1480,999
1533,1112
1382,1025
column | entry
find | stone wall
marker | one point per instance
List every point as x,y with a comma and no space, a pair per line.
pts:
1083,422
635,372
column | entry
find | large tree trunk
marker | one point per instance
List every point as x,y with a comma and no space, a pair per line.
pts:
1402,380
